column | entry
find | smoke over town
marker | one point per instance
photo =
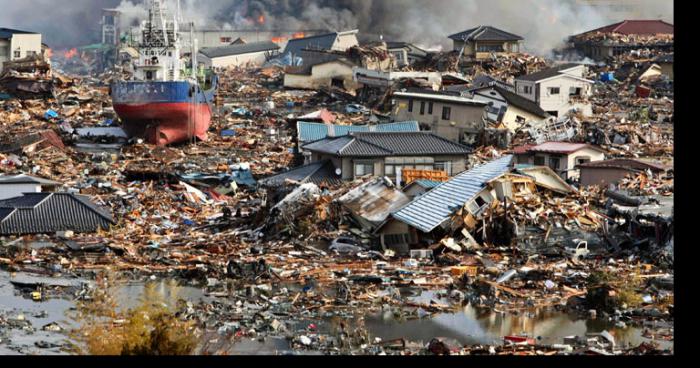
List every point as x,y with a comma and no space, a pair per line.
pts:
424,22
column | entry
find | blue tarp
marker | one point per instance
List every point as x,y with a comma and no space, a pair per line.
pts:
50,114
607,77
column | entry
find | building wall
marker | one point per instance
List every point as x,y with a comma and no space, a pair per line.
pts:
16,190
322,76
24,43
510,119
602,176
4,51
254,59
567,163
347,164
561,103
463,118
520,89
344,42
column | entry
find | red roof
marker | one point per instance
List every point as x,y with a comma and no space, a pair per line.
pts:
561,147
638,27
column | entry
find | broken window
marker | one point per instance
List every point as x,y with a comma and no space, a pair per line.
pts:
519,119
527,89
446,112
338,83
554,163
422,107
582,160
574,91
554,90
410,105
18,54
539,161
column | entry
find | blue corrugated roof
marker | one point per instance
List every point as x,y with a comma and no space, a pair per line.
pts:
428,183
428,211
310,132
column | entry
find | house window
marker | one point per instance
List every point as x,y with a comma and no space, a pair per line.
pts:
225,39
364,168
446,112
18,53
490,48
480,202
539,161
574,91
554,163
554,90
422,107
527,89
430,108
582,160
410,105
519,119
445,166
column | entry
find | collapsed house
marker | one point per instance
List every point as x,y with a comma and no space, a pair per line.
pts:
508,108
604,173
371,203
622,37
562,157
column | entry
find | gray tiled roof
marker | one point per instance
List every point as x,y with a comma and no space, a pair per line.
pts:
485,33
388,144
521,102
547,73
317,173
247,48
430,210
40,213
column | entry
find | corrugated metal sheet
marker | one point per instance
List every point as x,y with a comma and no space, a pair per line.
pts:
430,210
310,132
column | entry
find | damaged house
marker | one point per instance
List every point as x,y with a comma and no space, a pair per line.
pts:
435,208
558,90
623,37
562,157
429,216
507,108
337,41
325,70
449,115
405,53
47,213
603,173
237,55
483,41
387,154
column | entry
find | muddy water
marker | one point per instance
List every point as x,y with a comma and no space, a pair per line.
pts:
467,325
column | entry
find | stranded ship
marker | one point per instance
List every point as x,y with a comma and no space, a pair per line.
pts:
166,101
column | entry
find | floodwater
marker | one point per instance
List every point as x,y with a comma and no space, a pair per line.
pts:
467,325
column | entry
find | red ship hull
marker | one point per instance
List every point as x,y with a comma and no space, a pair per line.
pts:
165,123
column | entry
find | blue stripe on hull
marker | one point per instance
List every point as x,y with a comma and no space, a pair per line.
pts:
139,92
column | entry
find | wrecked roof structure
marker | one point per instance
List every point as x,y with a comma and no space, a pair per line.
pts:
380,144
26,179
430,210
309,132
318,42
485,33
516,100
636,27
239,49
317,173
41,213
372,202
441,97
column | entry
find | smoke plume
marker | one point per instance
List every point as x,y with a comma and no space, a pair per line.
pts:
543,23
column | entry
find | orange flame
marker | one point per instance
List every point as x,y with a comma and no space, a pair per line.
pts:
70,53
298,35
279,39
261,19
